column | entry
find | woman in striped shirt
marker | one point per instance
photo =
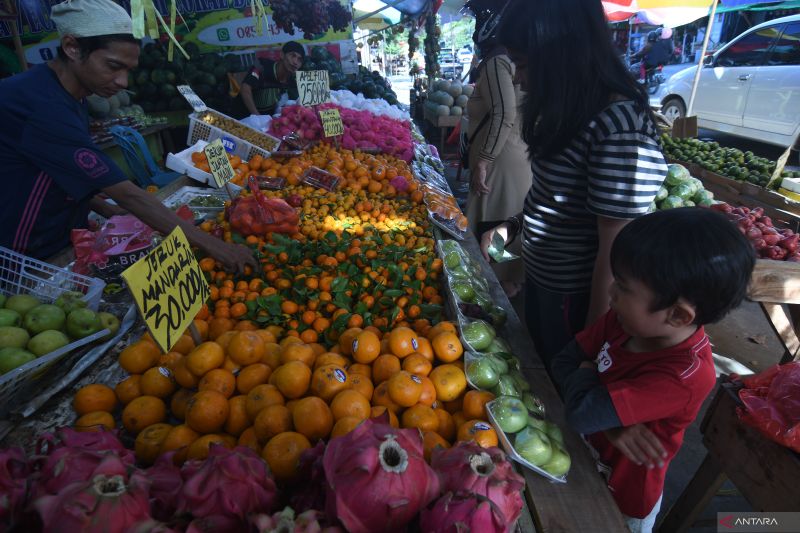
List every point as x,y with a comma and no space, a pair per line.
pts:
596,162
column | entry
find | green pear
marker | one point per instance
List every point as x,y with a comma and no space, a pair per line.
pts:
21,303
44,317
70,300
109,322
10,317
82,322
13,337
47,341
11,358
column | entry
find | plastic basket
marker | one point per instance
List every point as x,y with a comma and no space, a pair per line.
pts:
20,274
200,130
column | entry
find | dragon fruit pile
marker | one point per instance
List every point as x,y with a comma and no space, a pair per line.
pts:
362,129
375,478
769,242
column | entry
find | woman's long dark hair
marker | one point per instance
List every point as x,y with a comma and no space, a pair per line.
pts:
573,69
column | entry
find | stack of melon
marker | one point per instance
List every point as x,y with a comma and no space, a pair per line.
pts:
448,98
117,106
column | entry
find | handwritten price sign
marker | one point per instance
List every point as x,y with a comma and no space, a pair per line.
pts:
314,87
331,122
218,163
169,288
191,97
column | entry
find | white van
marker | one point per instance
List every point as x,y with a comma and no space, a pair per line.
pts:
749,88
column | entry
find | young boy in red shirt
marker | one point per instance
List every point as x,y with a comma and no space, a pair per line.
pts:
636,379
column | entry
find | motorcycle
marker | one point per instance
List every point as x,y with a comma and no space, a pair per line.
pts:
653,76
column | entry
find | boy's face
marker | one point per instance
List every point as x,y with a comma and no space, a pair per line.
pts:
632,301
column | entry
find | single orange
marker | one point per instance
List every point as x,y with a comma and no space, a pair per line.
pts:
169,359
207,411
330,358
139,356
94,421
447,347
361,384
345,425
447,426
425,349
198,450
220,380
403,341
478,430
142,412
418,364
148,442
329,380
380,396
379,411
346,340
384,367
262,396
420,416
350,403
266,336
428,394
404,388
298,352
313,418
272,420
272,355
237,420
283,452
184,345
183,376
358,368
94,397
179,401
252,375
178,439
449,380
159,382
128,389
246,348
440,327
292,379
366,347
474,404
430,441
207,356
248,438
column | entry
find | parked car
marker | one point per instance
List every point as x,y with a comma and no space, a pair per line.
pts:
749,88
451,68
465,56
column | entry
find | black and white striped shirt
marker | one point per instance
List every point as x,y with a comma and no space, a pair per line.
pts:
613,169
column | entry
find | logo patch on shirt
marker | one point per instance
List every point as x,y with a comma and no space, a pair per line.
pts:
90,163
603,359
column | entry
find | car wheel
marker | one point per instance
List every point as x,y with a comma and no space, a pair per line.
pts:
673,109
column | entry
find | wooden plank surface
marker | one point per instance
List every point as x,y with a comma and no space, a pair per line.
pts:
584,503
765,472
775,282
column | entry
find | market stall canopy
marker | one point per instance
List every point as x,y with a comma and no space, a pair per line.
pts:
374,21
407,7
670,13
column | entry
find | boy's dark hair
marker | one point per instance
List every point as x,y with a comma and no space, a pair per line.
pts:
574,70
692,253
87,45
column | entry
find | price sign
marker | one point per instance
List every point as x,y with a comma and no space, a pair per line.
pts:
331,122
218,163
169,288
313,87
191,97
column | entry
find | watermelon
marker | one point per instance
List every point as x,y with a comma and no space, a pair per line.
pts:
662,193
670,202
683,191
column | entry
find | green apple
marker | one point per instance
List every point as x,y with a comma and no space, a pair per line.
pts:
3,299
44,317
109,322
9,317
13,337
559,463
70,300
21,303
47,341
82,322
11,358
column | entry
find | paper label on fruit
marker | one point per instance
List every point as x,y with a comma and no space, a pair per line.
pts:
313,87
191,97
169,288
497,249
331,122
218,163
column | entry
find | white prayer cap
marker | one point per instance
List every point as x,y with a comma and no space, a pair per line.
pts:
90,18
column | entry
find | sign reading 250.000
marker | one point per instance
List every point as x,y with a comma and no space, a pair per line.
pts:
313,87
169,288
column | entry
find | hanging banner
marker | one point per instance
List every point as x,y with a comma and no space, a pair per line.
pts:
211,25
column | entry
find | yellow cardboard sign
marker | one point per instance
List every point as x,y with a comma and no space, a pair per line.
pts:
169,288
218,163
331,122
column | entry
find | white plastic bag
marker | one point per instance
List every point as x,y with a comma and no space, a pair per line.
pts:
258,122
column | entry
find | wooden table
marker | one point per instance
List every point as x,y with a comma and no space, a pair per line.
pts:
764,472
444,124
775,285
584,503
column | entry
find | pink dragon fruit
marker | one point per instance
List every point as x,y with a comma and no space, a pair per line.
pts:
463,512
87,440
109,501
378,479
151,526
230,483
486,471
310,494
286,522
165,487
14,471
68,465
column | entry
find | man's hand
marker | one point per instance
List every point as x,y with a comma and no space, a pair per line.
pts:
486,238
639,444
478,178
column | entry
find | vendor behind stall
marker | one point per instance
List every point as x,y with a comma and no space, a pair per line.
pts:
50,168
264,84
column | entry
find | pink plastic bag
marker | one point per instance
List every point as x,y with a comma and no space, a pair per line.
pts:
772,404
123,239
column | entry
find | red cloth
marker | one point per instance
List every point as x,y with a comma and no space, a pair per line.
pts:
664,390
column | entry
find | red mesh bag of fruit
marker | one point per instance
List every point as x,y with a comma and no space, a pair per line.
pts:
257,214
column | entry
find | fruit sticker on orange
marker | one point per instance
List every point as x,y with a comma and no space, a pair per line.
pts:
169,288
332,124
313,87
218,163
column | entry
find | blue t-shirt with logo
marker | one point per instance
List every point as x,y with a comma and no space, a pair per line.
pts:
49,166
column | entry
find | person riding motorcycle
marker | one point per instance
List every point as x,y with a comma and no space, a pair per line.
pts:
656,51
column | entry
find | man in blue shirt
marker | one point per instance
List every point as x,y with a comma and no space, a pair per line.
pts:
49,166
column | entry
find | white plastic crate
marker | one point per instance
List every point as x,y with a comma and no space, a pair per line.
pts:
20,274
200,130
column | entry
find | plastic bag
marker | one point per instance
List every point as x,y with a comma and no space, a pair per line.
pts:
121,242
772,404
257,214
258,122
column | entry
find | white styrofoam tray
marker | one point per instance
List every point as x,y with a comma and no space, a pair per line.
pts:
182,162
